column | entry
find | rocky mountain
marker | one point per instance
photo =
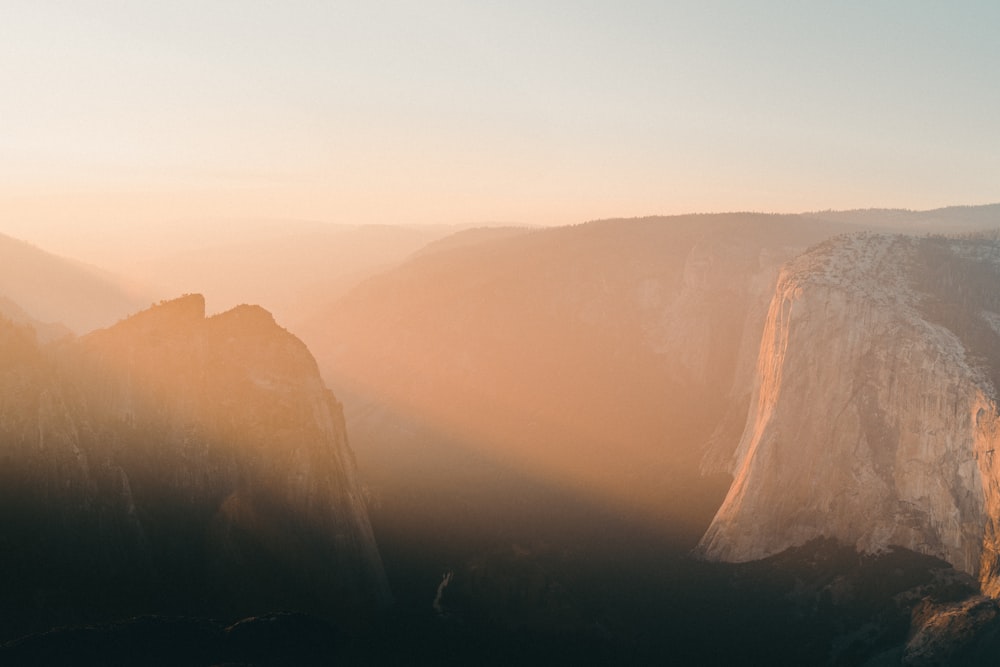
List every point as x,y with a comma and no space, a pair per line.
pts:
949,220
50,288
874,418
522,387
532,410
176,463
540,389
625,346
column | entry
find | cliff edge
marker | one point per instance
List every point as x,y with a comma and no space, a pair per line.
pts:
874,417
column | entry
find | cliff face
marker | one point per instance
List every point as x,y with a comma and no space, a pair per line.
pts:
201,461
874,418
588,358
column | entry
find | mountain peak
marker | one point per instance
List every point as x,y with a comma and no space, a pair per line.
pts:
187,306
247,315
183,311
165,419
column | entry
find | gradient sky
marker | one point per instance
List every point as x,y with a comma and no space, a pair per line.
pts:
125,113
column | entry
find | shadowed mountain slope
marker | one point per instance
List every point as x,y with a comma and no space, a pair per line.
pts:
875,415
177,463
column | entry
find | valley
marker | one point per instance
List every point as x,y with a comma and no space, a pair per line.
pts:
608,443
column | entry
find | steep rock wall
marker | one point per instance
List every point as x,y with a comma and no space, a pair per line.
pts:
868,422
192,460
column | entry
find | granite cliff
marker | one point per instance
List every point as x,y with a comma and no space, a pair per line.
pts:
874,417
177,463
586,357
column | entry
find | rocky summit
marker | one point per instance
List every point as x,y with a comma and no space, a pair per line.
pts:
176,463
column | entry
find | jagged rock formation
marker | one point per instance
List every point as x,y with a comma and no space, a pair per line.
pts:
182,463
874,419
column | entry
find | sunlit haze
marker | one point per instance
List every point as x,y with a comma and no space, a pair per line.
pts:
499,333
118,113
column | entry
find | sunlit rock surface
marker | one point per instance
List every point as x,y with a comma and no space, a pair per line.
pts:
596,359
199,464
874,418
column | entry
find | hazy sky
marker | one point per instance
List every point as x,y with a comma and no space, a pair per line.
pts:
451,112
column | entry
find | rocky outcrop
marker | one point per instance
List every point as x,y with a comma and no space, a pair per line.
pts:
199,463
874,419
957,633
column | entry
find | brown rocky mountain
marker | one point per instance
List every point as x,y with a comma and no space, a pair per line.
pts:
532,412
874,418
177,463
614,361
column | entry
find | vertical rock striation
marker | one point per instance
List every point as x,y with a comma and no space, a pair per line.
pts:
193,464
874,418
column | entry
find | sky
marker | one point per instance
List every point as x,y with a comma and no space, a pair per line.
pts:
128,114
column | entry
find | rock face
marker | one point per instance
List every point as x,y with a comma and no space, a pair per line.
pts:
585,357
198,464
959,633
874,417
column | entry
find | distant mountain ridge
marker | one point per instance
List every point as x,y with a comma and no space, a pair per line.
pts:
947,220
287,267
54,289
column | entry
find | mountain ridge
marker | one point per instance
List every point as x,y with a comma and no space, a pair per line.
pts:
51,288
